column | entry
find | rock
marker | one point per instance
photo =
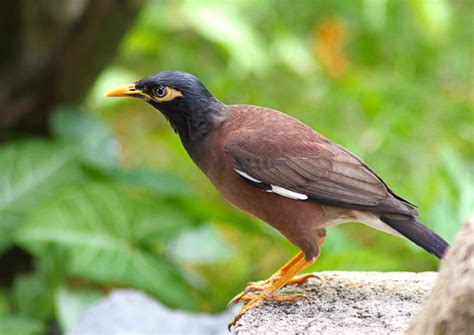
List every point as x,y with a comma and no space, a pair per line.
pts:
449,308
343,303
132,312
339,303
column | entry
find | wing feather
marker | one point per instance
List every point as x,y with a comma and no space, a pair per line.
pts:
318,168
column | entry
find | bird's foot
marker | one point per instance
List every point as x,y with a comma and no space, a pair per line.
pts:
263,284
276,297
253,300
267,288
301,279
251,287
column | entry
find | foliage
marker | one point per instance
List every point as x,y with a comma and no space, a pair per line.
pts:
112,199
89,223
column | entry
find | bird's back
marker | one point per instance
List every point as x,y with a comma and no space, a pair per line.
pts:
285,150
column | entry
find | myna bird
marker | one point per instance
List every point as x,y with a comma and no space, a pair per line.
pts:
281,171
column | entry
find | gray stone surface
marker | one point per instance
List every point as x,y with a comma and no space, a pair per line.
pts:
449,308
343,303
339,303
131,312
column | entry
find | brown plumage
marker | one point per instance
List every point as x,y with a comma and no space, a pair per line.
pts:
278,150
279,170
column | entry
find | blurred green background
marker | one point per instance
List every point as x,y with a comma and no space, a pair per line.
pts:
110,198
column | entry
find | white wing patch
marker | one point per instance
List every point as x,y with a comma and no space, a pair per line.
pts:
245,175
275,189
287,193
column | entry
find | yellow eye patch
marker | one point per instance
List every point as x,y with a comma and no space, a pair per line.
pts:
164,94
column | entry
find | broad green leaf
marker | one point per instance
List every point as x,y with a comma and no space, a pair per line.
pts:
93,138
157,182
32,297
30,171
110,237
12,325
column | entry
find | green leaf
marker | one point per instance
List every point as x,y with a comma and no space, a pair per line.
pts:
20,325
110,237
32,297
93,138
157,182
31,170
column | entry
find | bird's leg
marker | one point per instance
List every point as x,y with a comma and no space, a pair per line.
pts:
276,281
261,285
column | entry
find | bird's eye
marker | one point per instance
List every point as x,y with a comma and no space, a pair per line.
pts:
160,92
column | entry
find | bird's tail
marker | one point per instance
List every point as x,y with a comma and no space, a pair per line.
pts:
418,233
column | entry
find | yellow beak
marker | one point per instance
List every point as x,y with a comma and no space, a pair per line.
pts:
126,91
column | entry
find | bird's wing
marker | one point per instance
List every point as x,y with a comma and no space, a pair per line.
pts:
311,168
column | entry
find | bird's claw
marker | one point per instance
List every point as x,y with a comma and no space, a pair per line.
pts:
251,287
263,284
267,288
254,300
301,279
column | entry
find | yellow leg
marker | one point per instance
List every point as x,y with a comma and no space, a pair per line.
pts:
261,285
275,282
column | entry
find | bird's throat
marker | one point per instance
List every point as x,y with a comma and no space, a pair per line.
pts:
193,124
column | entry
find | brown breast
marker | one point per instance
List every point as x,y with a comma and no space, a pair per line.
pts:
297,220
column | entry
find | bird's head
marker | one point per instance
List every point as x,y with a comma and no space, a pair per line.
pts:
168,91
181,97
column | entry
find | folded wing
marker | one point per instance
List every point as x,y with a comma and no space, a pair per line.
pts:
313,166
